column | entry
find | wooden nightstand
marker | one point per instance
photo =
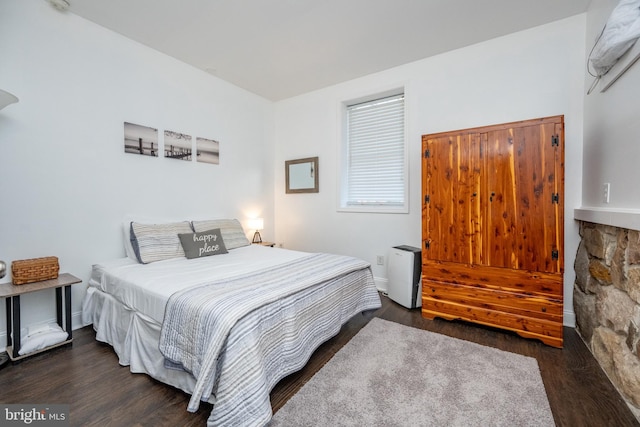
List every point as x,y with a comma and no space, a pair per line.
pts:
12,293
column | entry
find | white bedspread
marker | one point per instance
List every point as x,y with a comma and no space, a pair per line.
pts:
146,288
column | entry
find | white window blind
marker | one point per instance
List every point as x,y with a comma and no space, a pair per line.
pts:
376,153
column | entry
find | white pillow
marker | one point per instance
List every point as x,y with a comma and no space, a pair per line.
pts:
128,248
46,336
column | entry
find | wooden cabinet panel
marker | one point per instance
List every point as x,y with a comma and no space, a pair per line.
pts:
538,214
453,168
499,200
493,212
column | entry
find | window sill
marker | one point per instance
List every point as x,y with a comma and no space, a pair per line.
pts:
374,209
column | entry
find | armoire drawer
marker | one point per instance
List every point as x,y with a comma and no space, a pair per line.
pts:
493,278
549,332
531,305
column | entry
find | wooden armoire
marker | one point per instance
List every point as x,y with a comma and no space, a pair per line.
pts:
493,227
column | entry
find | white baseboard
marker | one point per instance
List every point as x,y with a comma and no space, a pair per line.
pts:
569,318
381,283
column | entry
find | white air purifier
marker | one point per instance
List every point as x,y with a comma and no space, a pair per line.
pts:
403,272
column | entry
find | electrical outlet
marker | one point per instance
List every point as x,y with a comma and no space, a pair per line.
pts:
380,259
606,192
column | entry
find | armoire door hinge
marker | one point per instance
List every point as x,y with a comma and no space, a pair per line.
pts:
427,154
555,141
427,199
555,254
427,244
555,198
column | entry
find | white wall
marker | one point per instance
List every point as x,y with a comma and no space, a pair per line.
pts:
65,179
530,74
611,132
67,184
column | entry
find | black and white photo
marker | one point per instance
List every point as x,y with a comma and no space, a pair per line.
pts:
177,145
208,150
140,139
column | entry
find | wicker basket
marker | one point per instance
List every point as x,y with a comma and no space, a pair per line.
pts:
34,270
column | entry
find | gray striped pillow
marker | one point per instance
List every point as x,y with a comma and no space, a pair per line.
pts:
232,232
157,242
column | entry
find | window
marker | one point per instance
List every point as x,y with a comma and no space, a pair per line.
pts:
374,177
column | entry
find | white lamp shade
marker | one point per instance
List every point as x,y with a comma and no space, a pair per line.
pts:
6,98
256,224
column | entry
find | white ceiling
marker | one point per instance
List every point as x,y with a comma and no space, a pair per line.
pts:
282,48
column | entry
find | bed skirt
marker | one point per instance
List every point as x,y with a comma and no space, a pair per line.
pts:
133,336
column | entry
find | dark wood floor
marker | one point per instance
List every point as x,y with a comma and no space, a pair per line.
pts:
86,375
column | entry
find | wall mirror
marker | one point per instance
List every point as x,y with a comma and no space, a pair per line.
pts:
301,175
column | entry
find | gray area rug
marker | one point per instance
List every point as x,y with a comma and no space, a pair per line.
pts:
394,375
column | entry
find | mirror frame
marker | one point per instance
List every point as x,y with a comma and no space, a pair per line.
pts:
288,163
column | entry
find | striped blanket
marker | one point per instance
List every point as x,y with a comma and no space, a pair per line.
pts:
199,323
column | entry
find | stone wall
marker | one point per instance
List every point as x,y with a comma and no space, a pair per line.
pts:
606,299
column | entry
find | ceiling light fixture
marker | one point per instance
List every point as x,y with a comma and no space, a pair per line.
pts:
62,5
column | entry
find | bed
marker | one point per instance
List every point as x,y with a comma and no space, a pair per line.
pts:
225,328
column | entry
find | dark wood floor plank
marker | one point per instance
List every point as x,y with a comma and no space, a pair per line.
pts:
86,375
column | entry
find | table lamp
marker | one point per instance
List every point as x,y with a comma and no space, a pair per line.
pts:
257,224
